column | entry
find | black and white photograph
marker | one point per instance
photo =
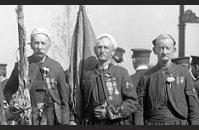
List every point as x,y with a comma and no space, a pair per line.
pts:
94,65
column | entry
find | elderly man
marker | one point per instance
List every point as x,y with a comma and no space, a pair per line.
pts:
194,70
108,95
48,90
166,92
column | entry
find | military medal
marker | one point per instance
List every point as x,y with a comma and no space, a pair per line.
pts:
181,79
177,80
194,90
109,86
52,80
170,79
110,91
116,92
48,83
128,84
115,87
107,75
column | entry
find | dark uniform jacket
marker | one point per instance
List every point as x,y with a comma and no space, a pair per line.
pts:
3,83
135,79
59,88
153,88
112,85
196,84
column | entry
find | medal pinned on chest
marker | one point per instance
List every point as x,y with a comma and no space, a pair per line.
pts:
180,80
111,85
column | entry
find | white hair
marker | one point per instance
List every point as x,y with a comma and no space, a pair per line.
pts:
40,30
106,35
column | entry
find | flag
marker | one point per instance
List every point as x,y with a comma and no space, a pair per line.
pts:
82,48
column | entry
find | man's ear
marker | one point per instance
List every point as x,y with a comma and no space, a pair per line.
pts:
154,50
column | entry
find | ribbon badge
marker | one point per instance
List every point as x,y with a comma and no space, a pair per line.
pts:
170,79
182,79
110,90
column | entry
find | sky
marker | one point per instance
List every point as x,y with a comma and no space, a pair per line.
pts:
133,26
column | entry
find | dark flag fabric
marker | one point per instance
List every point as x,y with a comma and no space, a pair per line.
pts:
82,49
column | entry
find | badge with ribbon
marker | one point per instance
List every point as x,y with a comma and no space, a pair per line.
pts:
182,79
170,79
109,89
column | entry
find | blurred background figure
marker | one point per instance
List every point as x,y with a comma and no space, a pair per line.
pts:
195,66
140,59
118,56
3,104
3,74
184,61
194,70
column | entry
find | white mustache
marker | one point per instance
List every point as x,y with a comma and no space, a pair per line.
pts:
39,52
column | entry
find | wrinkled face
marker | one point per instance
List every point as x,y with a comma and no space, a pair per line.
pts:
104,49
164,49
40,45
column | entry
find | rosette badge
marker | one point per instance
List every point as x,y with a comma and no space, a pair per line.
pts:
170,78
44,70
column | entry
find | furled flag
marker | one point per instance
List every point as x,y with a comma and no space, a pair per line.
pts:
82,48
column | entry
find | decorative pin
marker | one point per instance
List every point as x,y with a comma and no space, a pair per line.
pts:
48,83
107,75
52,80
109,84
114,84
182,79
177,80
194,90
116,92
128,84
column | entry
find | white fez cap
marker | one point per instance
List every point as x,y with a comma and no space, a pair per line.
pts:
114,42
39,30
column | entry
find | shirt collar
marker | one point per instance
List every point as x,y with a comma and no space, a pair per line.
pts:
170,67
104,67
142,67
